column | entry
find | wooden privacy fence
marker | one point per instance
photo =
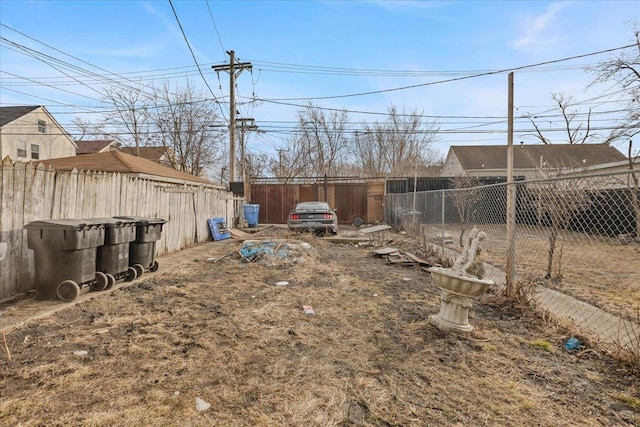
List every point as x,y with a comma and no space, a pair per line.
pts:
29,193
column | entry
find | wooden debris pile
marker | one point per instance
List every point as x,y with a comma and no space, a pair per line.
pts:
396,256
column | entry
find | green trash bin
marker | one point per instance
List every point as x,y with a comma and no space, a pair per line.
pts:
64,252
113,257
142,250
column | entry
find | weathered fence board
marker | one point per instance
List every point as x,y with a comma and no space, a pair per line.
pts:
29,193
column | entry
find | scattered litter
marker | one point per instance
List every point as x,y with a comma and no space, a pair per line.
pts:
572,343
271,251
102,331
80,352
308,309
214,260
396,256
238,234
201,405
376,232
375,295
406,279
282,283
176,393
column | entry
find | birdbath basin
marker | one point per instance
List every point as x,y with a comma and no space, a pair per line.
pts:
459,285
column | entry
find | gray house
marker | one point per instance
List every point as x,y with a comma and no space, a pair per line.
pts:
529,160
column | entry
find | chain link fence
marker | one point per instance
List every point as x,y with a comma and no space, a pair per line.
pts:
577,243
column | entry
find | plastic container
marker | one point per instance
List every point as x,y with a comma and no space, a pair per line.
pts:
142,250
251,215
113,256
65,257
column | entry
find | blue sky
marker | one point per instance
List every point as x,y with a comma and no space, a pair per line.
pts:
338,48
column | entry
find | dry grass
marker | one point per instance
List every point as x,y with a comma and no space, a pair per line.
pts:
223,332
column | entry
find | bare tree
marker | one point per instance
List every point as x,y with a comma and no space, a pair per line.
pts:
88,130
184,124
465,198
577,133
398,146
256,164
559,201
319,141
624,70
131,113
633,184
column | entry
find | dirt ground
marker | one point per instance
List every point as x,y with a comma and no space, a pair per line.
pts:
214,330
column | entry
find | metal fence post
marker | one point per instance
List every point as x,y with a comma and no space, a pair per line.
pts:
442,222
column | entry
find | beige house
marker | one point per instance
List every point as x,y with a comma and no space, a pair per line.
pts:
529,160
31,133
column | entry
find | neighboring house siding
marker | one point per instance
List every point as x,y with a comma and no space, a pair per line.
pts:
35,136
452,166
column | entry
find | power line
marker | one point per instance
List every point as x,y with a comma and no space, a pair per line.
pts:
484,74
194,57
216,28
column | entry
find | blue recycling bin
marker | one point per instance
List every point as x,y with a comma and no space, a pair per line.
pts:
251,215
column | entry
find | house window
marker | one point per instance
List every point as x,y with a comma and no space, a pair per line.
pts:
22,149
42,126
35,151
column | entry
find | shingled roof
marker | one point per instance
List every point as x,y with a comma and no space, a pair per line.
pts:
151,153
117,161
528,156
89,147
9,114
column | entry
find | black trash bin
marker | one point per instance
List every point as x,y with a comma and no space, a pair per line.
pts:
113,257
65,257
142,250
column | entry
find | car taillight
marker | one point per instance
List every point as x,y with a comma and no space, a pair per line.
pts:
294,216
328,216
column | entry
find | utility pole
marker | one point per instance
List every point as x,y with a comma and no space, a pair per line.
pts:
511,196
234,69
248,124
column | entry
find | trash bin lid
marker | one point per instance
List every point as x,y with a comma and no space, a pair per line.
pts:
67,224
114,222
142,220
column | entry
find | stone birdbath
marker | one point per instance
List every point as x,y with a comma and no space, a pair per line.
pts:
459,285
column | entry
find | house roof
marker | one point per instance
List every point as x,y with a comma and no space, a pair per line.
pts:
88,147
9,114
116,161
528,156
151,153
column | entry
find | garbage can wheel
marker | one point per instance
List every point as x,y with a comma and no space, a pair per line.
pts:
131,274
101,282
111,280
67,290
139,269
154,266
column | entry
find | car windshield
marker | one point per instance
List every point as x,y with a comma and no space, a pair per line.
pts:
312,206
